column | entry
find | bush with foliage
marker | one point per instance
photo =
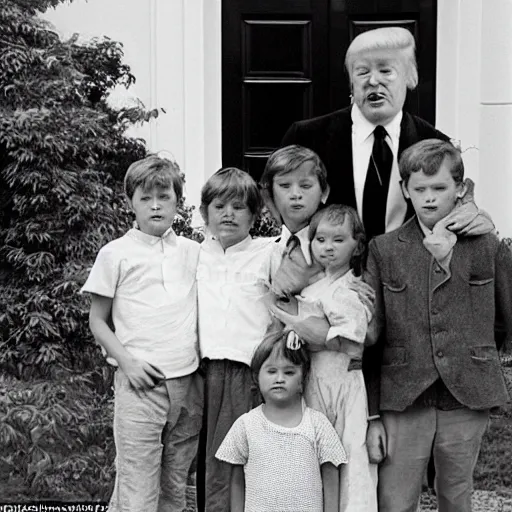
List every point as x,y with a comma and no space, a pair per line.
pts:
63,154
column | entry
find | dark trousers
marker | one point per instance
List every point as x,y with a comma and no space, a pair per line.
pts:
229,393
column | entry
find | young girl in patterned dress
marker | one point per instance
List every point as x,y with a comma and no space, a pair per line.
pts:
284,455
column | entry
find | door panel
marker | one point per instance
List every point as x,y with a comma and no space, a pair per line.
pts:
283,60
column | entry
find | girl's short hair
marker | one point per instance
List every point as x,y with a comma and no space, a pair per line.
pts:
388,38
151,172
336,214
428,155
231,183
276,341
288,159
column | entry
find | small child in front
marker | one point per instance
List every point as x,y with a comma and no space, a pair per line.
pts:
145,282
324,265
233,273
284,454
435,317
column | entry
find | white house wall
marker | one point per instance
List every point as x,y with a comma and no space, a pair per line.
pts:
174,50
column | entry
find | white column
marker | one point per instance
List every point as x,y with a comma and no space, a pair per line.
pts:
186,80
458,78
496,113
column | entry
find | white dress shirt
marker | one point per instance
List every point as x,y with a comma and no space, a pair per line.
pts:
233,294
302,235
362,145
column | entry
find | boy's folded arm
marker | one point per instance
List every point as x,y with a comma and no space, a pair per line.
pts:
138,372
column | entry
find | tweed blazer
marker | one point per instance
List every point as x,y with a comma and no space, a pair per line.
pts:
330,136
444,330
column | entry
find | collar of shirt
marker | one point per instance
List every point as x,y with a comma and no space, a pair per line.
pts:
302,235
362,145
424,228
212,243
169,237
362,128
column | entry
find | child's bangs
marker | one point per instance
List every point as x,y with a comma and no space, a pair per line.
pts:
156,180
281,349
232,191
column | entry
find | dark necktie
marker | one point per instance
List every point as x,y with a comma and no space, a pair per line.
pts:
376,186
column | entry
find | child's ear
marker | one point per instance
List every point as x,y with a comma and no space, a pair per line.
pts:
203,210
404,190
269,203
325,194
461,190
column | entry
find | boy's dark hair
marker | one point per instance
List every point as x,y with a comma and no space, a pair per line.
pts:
151,172
286,160
276,340
231,183
336,214
428,155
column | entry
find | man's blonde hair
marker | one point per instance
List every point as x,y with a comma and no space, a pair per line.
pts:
386,38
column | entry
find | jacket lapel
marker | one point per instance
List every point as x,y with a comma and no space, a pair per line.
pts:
339,151
408,137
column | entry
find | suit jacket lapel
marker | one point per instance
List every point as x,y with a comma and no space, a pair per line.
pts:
339,151
408,137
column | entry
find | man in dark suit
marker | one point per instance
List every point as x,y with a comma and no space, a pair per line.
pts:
381,65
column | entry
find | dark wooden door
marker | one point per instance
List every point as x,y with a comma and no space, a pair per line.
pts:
283,60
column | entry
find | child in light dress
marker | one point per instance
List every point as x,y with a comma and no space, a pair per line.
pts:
336,385
284,454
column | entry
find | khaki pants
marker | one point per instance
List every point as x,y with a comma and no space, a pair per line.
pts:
454,438
156,434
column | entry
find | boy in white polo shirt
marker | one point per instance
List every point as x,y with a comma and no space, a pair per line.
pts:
145,282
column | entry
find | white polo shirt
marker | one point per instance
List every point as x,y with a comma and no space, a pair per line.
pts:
233,289
152,281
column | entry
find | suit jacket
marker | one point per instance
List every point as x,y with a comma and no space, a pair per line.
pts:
330,136
436,325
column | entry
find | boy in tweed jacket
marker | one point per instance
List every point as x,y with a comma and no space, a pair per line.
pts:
438,299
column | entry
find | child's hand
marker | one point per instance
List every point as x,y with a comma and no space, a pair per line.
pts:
141,374
312,329
289,305
294,273
365,293
376,441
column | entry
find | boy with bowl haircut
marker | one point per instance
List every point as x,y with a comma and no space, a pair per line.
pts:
437,300
232,276
146,282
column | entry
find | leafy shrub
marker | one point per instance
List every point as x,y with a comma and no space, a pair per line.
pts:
63,154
